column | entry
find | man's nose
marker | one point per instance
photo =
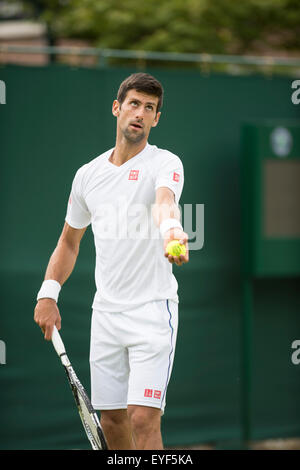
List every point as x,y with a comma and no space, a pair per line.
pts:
139,114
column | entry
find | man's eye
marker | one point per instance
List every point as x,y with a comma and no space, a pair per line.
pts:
150,107
133,102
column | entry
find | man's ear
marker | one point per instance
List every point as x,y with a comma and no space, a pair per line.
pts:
116,108
155,122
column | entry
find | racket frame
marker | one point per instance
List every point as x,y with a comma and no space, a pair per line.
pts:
98,442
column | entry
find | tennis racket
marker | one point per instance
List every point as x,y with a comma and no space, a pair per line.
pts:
87,413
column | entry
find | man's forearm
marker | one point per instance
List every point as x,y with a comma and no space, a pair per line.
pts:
61,263
60,266
163,211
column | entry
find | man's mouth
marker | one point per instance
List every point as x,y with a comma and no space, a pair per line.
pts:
136,125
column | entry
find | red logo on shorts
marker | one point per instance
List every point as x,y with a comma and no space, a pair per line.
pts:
157,393
133,175
176,177
148,393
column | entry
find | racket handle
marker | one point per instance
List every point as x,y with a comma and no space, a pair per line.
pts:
57,342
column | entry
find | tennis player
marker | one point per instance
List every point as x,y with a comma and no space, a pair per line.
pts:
130,195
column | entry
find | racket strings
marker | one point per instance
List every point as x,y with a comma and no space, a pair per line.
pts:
89,423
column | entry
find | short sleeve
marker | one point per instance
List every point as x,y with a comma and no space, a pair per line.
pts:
170,174
78,215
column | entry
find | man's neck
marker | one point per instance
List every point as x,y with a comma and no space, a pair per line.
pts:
125,150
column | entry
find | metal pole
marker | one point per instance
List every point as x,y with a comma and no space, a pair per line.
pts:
246,363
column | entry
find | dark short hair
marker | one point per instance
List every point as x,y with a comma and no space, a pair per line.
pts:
144,83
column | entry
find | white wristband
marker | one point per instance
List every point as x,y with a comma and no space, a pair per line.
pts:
49,290
167,224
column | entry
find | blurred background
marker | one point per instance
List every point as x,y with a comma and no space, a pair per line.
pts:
231,74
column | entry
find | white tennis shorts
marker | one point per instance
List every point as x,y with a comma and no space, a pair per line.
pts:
131,355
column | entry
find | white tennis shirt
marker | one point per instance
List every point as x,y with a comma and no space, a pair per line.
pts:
117,201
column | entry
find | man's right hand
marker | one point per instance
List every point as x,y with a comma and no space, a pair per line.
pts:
46,315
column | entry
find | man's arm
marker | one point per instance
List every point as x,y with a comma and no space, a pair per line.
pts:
60,267
166,208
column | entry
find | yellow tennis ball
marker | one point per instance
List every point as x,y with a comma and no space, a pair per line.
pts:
174,248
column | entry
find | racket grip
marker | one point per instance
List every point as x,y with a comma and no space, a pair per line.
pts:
57,342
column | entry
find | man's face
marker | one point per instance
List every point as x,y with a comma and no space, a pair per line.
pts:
136,115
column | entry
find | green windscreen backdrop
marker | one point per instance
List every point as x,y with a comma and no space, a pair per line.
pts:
56,119
271,188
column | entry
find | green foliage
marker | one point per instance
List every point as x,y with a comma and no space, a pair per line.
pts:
212,26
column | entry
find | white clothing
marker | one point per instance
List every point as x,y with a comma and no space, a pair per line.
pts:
131,269
131,355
